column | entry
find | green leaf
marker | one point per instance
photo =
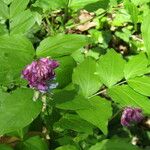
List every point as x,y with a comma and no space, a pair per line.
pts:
98,114
110,68
132,10
3,30
4,11
114,144
73,122
22,22
17,6
90,5
16,52
68,100
50,4
64,71
126,96
17,110
61,45
66,147
146,32
136,66
141,85
5,147
34,143
86,79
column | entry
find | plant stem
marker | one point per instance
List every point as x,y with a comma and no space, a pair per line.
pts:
100,92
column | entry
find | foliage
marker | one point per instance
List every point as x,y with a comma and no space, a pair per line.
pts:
103,51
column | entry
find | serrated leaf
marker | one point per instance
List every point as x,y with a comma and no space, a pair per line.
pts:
84,76
110,68
126,96
141,85
146,32
64,71
17,6
61,45
22,22
114,144
136,66
98,114
16,52
17,110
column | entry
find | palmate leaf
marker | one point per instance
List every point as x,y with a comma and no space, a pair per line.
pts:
15,53
126,96
61,45
110,68
84,76
141,85
17,110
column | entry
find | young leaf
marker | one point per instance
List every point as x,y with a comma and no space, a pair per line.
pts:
141,85
84,76
126,96
16,52
98,114
110,68
61,45
17,110
136,66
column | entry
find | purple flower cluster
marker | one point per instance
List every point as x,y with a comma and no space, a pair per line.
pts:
131,115
40,73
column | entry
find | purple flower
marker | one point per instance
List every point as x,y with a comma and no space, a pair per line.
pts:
131,116
40,73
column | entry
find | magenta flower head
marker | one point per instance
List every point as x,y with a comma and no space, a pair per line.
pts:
40,74
131,116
